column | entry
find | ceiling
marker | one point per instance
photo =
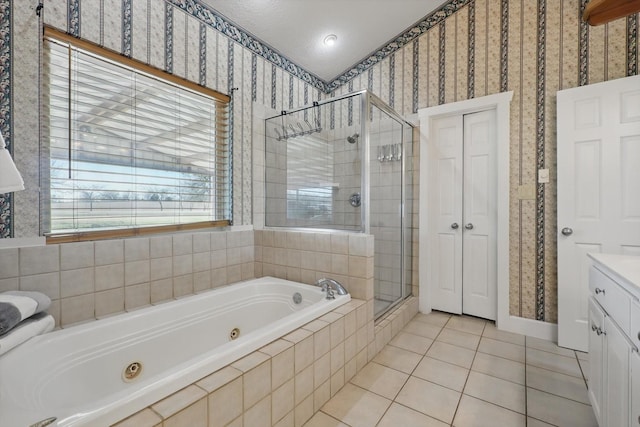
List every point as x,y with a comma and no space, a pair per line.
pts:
297,28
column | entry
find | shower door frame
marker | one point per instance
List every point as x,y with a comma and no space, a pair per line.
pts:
373,100
367,100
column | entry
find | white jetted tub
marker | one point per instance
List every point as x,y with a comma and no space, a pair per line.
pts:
78,375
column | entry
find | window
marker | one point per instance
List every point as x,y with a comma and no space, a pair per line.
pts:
130,146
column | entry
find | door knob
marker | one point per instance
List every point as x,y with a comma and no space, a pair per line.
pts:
469,226
567,231
455,225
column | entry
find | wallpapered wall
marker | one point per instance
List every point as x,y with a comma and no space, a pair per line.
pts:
466,49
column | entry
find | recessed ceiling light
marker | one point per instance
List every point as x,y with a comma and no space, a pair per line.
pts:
330,40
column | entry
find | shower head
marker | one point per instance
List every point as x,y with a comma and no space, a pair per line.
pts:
353,138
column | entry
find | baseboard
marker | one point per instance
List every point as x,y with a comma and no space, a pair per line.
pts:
533,328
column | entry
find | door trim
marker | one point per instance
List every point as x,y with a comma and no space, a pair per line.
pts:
501,103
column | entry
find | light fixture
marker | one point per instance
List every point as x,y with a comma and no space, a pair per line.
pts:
10,179
330,40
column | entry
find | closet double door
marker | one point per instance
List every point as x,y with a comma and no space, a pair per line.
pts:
463,214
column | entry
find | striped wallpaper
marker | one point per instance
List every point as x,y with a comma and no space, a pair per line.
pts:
466,49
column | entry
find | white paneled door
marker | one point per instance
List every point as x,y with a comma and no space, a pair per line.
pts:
598,190
463,215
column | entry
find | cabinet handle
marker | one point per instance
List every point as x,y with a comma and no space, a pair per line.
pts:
601,332
594,327
599,291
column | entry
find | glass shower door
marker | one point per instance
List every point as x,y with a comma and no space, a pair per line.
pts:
386,214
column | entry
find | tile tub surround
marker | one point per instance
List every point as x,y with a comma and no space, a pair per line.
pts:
284,383
91,280
306,256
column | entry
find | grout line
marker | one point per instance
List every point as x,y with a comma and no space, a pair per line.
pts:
559,396
584,378
330,416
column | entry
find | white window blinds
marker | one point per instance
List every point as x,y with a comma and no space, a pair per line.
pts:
129,149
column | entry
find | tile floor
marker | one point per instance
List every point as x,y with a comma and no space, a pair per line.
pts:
443,370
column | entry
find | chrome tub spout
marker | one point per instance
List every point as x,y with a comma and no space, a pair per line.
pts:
331,287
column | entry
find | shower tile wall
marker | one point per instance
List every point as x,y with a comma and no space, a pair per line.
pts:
90,280
308,256
348,173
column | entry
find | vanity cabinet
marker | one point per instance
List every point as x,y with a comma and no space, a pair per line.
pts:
614,338
635,389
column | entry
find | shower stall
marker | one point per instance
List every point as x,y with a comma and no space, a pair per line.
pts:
346,164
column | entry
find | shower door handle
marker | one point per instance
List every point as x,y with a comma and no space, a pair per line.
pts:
455,226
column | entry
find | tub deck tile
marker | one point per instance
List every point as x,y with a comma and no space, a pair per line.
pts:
297,335
331,316
315,325
218,379
178,401
144,418
249,362
276,347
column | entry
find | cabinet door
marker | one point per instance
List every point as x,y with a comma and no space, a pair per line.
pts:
596,358
635,389
616,375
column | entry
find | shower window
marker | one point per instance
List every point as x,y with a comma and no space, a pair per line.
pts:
310,203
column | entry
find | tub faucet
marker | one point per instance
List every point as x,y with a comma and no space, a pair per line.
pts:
331,287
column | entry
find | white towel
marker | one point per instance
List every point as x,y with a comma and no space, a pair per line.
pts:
16,306
33,326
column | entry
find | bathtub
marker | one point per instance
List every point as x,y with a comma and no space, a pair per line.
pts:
101,372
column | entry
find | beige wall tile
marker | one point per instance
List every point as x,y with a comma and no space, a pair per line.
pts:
282,401
109,302
303,384
322,369
109,252
225,404
77,309
137,296
39,259
9,284
160,247
260,414
136,272
8,263
303,411
161,290
109,277
257,383
76,282
282,367
182,285
76,255
192,416
136,249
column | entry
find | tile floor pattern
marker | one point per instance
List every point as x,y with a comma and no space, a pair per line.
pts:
444,370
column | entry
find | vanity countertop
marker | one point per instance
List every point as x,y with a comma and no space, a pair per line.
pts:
624,268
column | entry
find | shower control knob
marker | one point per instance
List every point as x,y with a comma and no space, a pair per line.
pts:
455,226
355,200
469,226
